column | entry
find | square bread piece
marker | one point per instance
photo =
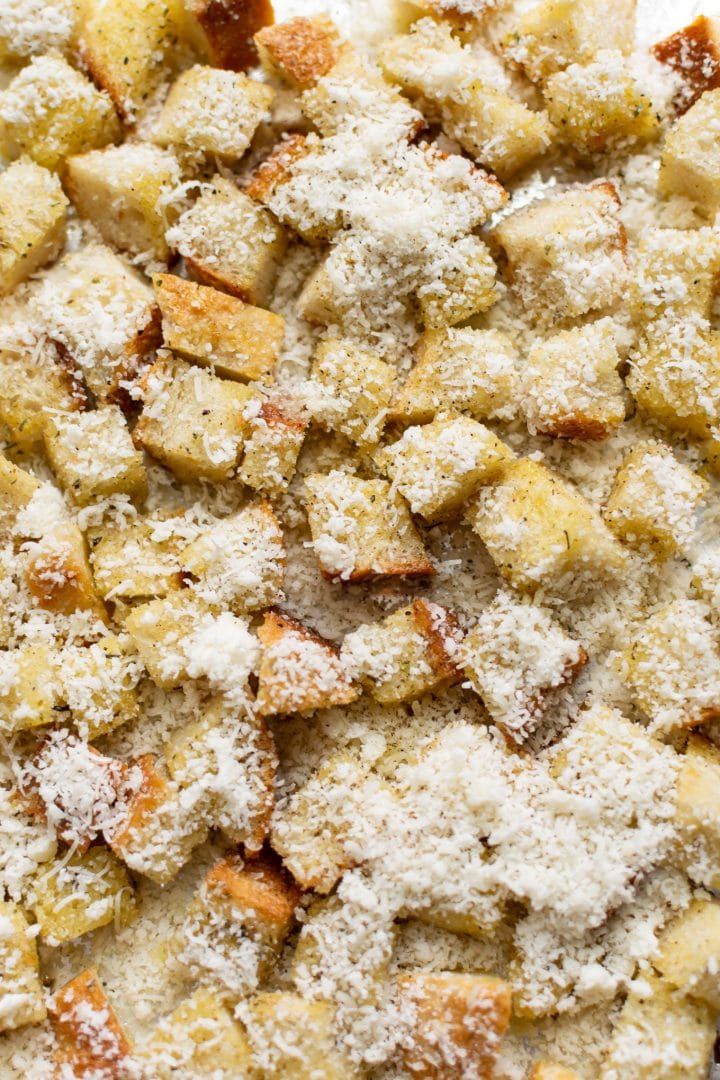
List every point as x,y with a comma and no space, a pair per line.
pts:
693,55
350,390
690,164
32,221
224,33
34,383
93,456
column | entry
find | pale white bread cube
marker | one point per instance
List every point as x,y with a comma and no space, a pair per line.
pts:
32,221
689,953
34,27
362,530
295,1038
31,688
76,893
349,390
674,274
460,283
21,994
138,561
200,1038
693,56
224,34
697,815
93,456
354,89
299,50
690,163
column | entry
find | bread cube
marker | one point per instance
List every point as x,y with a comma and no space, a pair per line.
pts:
570,387
672,668
546,1070
693,56
160,629
227,766
159,830
353,88
50,111
32,383
215,330
455,1023
653,500
240,560
237,923
675,376
299,671
541,532
459,369
17,488
224,33
57,573
438,466
295,1038
93,457
690,163
565,254
362,529
193,422
272,448
318,302
30,691
102,313
350,390
690,952
600,106
200,1038
213,112
276,170
89,1039
21,993
99,685
137,562
76,894
312,829
230,242
127,48
516,658
555,33
697,815
462,285
674,274
412,652
36,28
32,221
300,50
124,191
660,1035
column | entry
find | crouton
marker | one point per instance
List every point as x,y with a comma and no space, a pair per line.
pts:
21,993
159,630
89,1039
58,576
201,1038
31,691
93,457
275,439
17,488
295,1038
352,87
693,55
697,815
72,896
690,951
99,685
674,275
350,390
299,51
465,286
690,163
546,1070
32,221
223,30
136,562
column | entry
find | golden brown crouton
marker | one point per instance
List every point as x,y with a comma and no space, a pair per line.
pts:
93,456
32,221
546,1070
300,50
690,163
295,1038
75,894
693,54
202,1038
223,30
275,169
21,992
275,439
57,573
88,1035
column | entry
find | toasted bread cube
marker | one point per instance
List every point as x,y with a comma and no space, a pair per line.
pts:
276,170
464,286
455,1023
697,815
690,163
228,767
159,631
352,88
299,671
159,830
32,383
555,33
566,254
362,529
126,48
102,312
318,302
653,500
215,330
675,375
72,896
57,573
674,275
99,685
240,560
124,192
463,370
228,241
200,1038
89,1038
273,446
224,33
600,106
690,952
295,1038
672,668
570,387
21,993
515,658
32,221
50,111
17,488
136,562
547,1070
312,829
36,28
541,532
30,688
299,51
660,1035
412,652
693,55
237,923
350,390
93,457
193,422
212,111
438,466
